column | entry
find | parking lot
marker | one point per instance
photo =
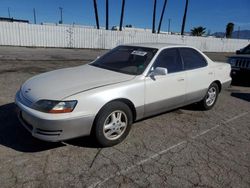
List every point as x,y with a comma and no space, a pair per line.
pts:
181,148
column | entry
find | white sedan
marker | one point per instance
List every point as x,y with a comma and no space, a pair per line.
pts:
128,83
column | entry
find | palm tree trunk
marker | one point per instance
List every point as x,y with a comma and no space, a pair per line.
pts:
162,14
107,14
96,15
154,11
184,18
122,13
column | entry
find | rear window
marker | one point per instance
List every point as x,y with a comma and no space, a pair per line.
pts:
192,59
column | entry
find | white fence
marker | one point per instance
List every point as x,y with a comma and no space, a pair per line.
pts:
22,34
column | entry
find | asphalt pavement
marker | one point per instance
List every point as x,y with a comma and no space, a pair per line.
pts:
185,147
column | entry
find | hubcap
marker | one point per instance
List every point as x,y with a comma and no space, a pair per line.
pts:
115,125
211,96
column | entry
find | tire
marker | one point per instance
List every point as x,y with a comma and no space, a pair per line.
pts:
112,123
212,93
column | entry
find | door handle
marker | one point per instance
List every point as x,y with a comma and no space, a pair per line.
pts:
181,80
210,73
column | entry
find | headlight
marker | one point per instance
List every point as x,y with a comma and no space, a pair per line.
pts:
232,61
50,106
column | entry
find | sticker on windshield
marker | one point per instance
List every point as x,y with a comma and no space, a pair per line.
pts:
140,53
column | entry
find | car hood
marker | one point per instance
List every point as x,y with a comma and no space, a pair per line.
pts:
59,84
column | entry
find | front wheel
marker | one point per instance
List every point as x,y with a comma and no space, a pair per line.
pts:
211,97
113,123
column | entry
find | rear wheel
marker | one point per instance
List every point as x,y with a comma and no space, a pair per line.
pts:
113,123
211,97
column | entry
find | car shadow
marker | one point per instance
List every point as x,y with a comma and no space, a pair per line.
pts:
192,107
14,135
86,142
243,96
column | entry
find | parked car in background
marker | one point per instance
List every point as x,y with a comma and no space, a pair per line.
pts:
245,50
126,84
240,62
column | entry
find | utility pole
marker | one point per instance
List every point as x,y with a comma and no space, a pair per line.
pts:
208,32
107,14
34,14
9,11
238,33
184,18
61,21
96,15
122,14
169,23
153,26
162,14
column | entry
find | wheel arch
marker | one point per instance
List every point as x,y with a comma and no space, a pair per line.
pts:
123,100
219,84
128,102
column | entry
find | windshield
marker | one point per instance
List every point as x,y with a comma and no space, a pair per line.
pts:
126,59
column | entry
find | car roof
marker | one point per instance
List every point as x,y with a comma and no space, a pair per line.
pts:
156,45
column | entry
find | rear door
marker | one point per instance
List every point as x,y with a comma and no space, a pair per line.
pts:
164,92
199,76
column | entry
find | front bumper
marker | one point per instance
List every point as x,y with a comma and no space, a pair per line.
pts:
53,130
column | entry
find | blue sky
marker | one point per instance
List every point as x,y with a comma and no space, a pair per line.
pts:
212,14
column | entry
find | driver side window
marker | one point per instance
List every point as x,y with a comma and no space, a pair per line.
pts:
170,59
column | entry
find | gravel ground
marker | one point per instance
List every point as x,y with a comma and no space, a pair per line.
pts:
182,148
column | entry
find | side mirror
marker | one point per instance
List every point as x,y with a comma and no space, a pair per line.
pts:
160,71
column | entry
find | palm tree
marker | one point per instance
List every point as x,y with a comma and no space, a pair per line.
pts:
198,31
229,29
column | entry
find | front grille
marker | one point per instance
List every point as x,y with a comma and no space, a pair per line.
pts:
242,63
